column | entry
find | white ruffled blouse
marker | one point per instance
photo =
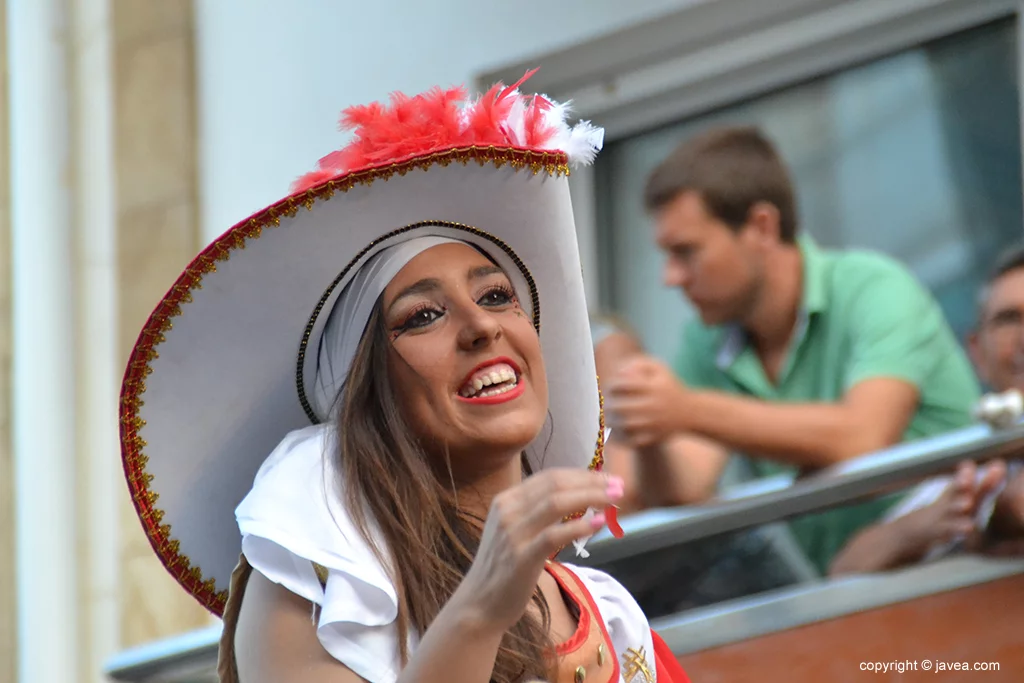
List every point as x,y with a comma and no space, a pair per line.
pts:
293,518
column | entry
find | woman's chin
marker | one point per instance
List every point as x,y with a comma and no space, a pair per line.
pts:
512,441
504,425
509,436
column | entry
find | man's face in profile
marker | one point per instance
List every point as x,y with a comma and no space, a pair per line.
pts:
713,264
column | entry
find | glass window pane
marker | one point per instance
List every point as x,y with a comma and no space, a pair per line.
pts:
916,155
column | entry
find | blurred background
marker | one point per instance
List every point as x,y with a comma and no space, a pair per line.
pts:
132,132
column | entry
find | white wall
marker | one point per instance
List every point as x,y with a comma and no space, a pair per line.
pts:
274,75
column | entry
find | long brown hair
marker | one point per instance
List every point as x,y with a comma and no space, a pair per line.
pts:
391,484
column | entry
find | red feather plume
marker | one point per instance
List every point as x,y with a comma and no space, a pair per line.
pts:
436,120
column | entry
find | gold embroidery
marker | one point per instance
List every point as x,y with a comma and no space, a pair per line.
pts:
580,674
321,574
634,664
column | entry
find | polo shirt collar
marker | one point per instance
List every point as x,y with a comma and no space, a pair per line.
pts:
813,299
815,285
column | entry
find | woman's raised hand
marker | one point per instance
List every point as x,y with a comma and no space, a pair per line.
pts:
524,527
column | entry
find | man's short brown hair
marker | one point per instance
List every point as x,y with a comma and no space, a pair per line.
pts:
731,169
1010,261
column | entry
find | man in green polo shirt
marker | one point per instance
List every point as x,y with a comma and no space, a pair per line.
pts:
802,357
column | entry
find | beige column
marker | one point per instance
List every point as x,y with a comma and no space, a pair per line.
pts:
106,200
157,235
8,619
99,481
43,335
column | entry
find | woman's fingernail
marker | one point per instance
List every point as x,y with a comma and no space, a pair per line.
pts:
597,521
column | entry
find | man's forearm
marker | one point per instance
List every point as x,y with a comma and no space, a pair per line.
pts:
877,548
806,434
659,481
682,470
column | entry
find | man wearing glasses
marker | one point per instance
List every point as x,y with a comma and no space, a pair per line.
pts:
979,508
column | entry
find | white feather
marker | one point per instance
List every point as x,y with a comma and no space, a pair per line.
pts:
515,124
557,117
580,143
585,141
464,119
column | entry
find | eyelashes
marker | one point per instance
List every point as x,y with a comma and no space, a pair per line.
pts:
503,291
427,313
421,316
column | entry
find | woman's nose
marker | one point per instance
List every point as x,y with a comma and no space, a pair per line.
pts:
479,329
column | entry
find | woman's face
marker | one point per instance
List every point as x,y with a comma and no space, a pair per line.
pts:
466,361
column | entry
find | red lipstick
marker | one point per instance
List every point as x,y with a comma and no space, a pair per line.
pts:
504,397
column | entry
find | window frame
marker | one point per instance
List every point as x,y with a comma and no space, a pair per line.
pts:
714,53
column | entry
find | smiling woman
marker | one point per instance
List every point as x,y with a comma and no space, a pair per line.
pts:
432,444
469,365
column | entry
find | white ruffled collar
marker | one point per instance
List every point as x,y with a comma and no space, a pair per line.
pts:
293,518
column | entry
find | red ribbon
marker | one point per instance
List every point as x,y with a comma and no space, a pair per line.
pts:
611,518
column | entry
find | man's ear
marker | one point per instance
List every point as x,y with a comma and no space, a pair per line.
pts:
764,221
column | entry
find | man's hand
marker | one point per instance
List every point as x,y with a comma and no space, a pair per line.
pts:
1007,522
1011,500
646,402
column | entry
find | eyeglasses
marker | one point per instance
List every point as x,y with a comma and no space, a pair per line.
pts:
1006,324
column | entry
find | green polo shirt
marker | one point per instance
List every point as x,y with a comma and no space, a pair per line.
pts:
863,315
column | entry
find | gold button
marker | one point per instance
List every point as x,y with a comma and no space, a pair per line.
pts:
581,673
600,654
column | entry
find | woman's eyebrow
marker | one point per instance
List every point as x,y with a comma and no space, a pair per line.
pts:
483,271
419,287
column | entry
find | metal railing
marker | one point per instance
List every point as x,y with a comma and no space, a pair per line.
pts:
779,498
191,658
188,658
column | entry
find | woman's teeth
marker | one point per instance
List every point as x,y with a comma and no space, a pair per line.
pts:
502,380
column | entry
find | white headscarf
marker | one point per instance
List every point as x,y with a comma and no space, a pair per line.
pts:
347,321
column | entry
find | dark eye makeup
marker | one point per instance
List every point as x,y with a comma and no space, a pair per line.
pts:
426,313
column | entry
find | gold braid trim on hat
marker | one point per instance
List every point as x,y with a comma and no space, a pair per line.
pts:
139,367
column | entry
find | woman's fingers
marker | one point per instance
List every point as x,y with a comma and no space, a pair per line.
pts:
524,527
562,534
561,503
533,514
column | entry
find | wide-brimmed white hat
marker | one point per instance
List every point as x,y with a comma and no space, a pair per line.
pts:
222,370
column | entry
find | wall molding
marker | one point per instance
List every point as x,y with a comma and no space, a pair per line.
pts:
717,52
